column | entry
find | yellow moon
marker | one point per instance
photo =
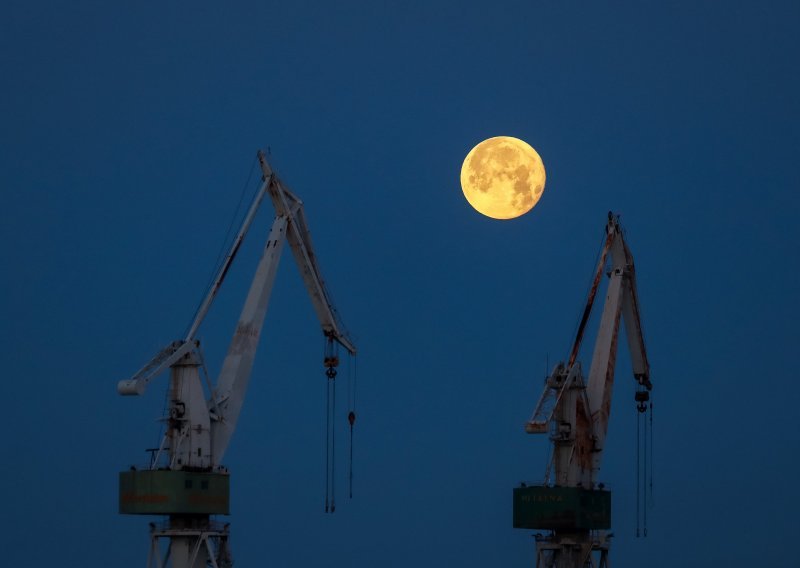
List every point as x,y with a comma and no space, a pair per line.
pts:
502,177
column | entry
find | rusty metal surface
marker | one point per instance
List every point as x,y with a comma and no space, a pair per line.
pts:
587,311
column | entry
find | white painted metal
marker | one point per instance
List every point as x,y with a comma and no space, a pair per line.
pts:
620,299
190,546
299,238
226,401
173,352
584,414
177,349
237,242
569,551
576,413
189,429
213,420
601,372
570,430
199,428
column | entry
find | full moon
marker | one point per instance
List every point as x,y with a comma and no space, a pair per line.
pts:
502,177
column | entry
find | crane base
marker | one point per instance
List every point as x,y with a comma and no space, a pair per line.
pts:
173,492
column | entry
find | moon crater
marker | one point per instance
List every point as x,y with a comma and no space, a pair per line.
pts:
503,177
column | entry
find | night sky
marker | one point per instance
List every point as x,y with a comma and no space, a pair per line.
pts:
128,133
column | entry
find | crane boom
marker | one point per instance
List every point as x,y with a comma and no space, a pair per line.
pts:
137,384
223,270
289,225
299,238
225,403
620,301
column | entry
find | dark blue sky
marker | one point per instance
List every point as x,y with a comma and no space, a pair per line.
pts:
128,132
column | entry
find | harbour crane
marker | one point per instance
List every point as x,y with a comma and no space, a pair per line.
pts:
186,479
571,503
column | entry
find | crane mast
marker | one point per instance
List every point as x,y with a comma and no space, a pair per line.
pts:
185,479
571,503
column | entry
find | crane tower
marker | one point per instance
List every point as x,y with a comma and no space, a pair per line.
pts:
571,504
186,481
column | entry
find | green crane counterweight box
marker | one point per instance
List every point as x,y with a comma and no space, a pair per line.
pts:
173,492
561,508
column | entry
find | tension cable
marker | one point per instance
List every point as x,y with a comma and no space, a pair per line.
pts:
352,376
331,361
224,245
651,453
638,467
642,397
644,477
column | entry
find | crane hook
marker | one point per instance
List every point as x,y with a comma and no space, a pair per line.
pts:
331,359
641,397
